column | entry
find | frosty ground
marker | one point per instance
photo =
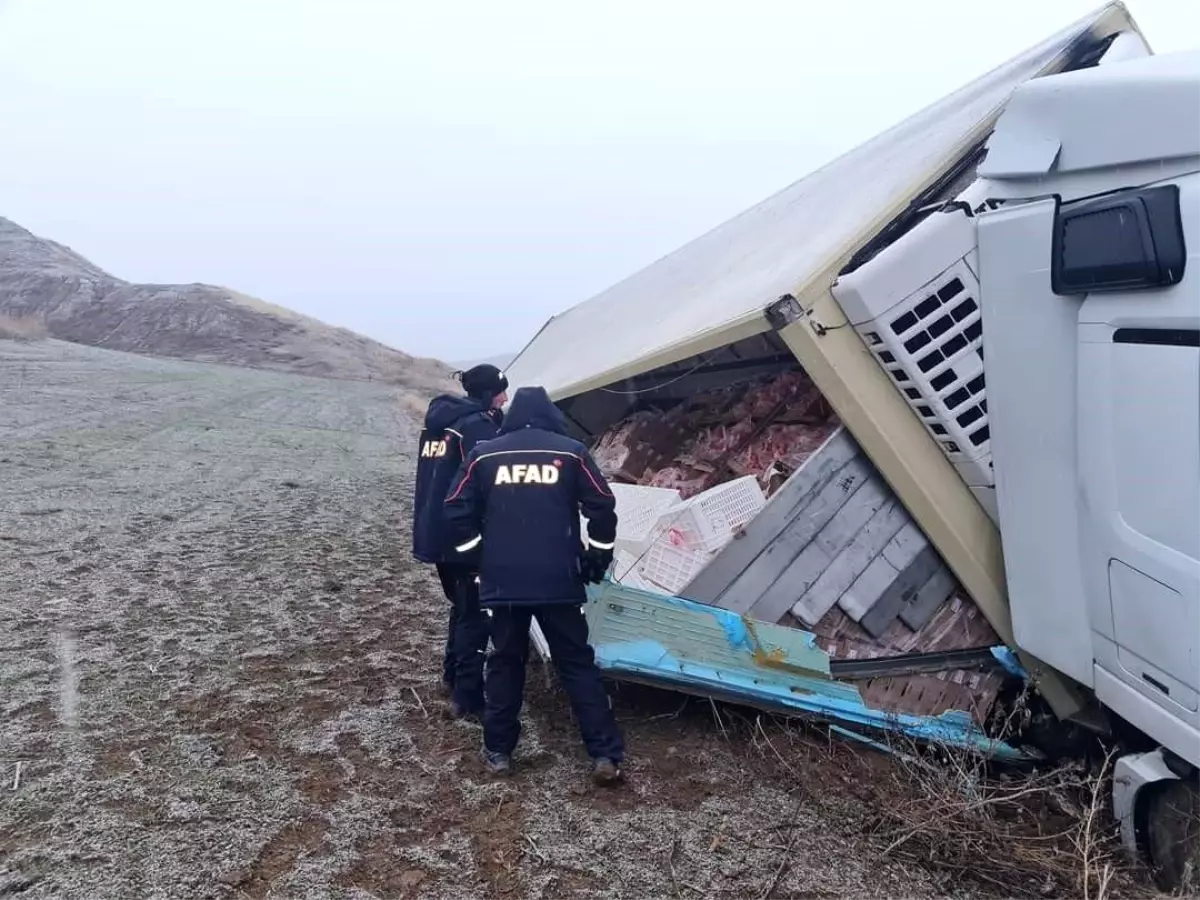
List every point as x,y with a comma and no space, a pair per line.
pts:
219,669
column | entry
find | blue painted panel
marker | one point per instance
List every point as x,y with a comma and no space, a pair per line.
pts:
714,652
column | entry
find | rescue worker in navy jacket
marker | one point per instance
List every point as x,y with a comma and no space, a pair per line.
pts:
453,426
515,505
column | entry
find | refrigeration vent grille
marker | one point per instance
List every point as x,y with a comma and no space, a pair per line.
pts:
931,344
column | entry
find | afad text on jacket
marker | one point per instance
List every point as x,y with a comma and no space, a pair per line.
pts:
516,503
453,426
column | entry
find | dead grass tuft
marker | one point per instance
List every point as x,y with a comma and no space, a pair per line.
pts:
23,328
412,404
1031,834
971,825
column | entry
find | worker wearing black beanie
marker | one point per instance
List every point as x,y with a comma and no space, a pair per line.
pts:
483,382
453,426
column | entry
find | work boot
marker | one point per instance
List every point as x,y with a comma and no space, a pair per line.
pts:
605,772
497,764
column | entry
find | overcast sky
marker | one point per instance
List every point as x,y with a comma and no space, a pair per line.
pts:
445,176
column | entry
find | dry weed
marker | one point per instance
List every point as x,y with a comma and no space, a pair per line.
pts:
23,328
973,826
1030,833
412,405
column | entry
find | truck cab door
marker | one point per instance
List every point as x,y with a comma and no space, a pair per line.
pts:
1091,314
1139,440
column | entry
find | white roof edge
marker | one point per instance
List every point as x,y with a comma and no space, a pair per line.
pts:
528,343
714,290
1156,100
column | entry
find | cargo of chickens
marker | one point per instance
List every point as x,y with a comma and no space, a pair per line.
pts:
722,453
766,428
690,475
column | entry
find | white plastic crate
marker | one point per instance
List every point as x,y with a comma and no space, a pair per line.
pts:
625,571
624,565
709,520
638,508
671,567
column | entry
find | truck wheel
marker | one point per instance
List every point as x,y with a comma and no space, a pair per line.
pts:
1173,835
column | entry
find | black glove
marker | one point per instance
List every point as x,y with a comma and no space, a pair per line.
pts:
593,564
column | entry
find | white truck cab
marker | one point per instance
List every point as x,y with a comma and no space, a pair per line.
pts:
1044,324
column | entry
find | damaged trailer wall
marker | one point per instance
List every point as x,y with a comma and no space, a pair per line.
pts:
836,554
714,653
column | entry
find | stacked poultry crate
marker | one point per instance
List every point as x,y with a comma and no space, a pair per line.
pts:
846,562
684,536
689,478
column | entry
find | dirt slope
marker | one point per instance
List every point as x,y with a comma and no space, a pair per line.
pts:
80,302
220,673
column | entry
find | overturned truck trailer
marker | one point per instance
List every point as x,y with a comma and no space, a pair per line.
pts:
802,529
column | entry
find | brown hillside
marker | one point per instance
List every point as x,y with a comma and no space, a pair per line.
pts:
80,302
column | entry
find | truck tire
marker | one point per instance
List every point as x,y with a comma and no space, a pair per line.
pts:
1173,835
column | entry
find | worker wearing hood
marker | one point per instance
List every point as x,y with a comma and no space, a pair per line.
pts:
516,504
453,426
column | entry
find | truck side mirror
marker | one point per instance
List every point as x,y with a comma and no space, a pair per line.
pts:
1129,241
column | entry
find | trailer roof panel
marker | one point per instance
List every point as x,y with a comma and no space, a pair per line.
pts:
713,290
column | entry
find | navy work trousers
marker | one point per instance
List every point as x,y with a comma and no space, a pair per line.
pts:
466,637
566,631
